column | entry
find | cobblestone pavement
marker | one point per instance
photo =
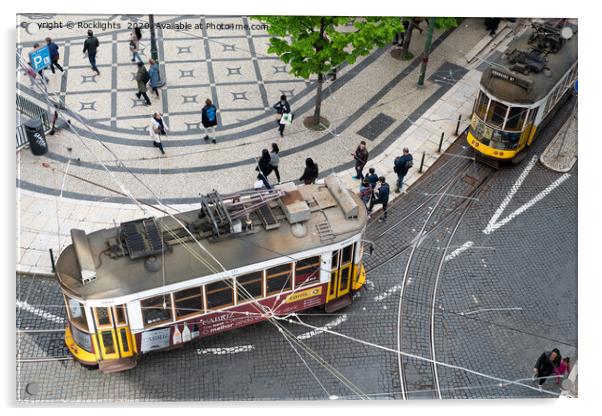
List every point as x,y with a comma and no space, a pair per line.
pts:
498,304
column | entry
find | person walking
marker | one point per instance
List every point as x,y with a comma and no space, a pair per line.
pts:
157,128
264,168
91,45
365,192
381,197
310,174
361,158
153,72
372,177
275,160
135,37
282,107
209,120
545,365
563,368
401,165
142,78
37,46
53,48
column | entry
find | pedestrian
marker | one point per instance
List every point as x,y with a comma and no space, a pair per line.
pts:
53,48
372,177
142,78
491,24
365,192
282,107
153,72
264,168
157,128
563,368
361,158
209,120
135,44
400,36
91,45
310,174
36,46
545,365
401,165
275,160
381,197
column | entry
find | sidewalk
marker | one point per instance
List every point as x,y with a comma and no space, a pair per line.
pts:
561,153
416,122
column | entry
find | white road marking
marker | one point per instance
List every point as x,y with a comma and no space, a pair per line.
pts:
225,350
388,293
329,325
490,310
459,250
39,312
493,222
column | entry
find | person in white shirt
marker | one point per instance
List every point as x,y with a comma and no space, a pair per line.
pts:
157,128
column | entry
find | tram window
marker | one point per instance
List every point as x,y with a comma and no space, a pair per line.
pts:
279,279
120,315
103,316
219,294
77,313
249,285
307,270
516,118
481,106
188,302
153,311
347,255
497,113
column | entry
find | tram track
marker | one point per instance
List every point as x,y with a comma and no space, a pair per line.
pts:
417,308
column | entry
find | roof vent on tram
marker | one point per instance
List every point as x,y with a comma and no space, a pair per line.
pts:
83,254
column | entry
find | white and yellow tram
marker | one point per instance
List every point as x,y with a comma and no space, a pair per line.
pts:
521,89
148,284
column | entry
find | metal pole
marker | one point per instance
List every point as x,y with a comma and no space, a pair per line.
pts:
421,163
52,261
458,124
154,52
441,142
427,50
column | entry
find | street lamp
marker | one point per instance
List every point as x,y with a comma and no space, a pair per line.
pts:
154,53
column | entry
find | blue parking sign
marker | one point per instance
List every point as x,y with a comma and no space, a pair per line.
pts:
40,59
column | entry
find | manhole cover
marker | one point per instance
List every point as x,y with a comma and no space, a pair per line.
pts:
32,388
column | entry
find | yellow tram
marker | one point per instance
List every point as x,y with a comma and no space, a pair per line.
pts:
156,283
521,89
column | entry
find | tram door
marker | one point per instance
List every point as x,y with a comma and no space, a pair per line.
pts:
340,275
114,336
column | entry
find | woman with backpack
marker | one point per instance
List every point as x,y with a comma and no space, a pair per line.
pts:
209,120
153,72
264,168
157,128
401,165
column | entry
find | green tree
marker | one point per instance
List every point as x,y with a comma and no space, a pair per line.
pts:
441,23
316,45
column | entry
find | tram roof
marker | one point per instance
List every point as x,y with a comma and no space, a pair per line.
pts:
123,276
540,83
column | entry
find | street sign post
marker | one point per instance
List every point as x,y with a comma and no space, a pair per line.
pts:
40,59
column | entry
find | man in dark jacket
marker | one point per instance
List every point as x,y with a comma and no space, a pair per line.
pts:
142,78
281,107
545,365
91,44
381,197
361,158
53,48
209,120
401,165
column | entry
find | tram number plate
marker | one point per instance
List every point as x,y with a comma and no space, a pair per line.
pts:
304,294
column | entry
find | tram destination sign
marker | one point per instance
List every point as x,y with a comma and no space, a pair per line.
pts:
523,83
